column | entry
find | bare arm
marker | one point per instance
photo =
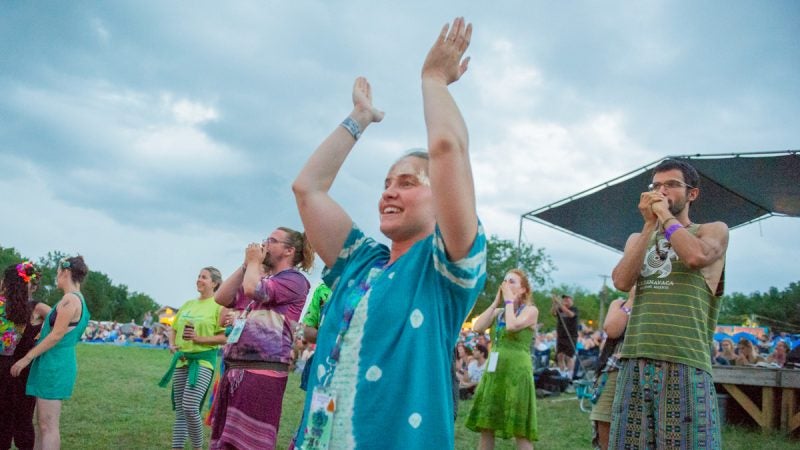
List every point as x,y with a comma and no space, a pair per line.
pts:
226,293
617,319
40,311
326,223
627,270
217,339
527,318
697,251
254,255
450,172
171,339
68,308
486,318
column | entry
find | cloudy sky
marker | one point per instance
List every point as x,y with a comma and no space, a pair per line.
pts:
157,137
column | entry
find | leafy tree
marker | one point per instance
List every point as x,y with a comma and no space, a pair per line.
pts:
503,255
105,300
9,256
777,309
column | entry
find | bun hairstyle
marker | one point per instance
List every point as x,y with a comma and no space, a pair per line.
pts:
76,266
303,252
16,282
216,276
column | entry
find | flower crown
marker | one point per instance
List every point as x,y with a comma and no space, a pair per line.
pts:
22,271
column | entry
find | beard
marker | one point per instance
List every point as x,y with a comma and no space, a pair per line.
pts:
677,207
267,262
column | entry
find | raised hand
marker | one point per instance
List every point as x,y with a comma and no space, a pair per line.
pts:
255,253
362,101
646,201
444,61
509,293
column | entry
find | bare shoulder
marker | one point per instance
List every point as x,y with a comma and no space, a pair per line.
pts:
717,231
632,238
69,300
710,228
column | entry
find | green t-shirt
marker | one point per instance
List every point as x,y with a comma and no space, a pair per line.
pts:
204,315
321,294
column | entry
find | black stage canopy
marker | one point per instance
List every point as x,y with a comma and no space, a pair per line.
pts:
735,188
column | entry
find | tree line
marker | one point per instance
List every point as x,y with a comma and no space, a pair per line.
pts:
778,309
105,299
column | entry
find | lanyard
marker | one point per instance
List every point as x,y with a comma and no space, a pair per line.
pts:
354,298
501,320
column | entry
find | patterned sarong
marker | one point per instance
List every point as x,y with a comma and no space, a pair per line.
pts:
247,411
664,405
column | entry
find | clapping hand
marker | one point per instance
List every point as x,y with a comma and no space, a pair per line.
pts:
255,253
362,101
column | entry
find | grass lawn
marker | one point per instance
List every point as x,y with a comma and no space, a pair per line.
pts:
117,404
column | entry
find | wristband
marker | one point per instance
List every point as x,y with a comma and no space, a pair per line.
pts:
664,223
352,127
508,302
673,228
626,310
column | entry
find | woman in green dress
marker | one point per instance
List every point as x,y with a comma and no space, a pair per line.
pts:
505,399
55,365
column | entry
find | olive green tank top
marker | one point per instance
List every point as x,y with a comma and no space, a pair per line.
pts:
674,313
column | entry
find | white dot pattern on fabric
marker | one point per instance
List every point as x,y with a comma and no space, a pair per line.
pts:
415,420
416,318
391,275
374,373
320,372
351,283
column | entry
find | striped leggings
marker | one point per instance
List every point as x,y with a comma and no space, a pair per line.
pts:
187,406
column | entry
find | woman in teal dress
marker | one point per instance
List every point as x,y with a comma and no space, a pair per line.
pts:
55,365
505,399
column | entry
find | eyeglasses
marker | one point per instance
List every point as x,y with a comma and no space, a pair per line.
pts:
272,240
669,184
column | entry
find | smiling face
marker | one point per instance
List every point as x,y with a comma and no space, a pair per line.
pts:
677,197
204,282
406,206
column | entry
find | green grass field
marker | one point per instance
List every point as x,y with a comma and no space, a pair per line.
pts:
118,405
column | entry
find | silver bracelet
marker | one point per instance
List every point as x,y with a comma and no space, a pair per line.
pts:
352,126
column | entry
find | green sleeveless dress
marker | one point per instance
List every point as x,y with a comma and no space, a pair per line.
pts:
505,400
53,373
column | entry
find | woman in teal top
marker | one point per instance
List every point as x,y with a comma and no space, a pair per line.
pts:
55,366
505,399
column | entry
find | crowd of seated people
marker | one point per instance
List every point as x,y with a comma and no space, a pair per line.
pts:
767,351
127,333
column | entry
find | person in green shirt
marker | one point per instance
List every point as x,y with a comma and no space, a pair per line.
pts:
665,395
311,321
194,341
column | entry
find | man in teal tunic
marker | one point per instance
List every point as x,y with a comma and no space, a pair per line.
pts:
665,395
382,367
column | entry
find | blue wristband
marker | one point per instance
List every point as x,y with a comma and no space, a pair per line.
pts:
352,126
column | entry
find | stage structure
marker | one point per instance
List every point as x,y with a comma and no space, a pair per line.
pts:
735,188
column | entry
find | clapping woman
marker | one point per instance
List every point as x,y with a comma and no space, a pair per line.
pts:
505,399
55,365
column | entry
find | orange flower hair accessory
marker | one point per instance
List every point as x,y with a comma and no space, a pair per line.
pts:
26,271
